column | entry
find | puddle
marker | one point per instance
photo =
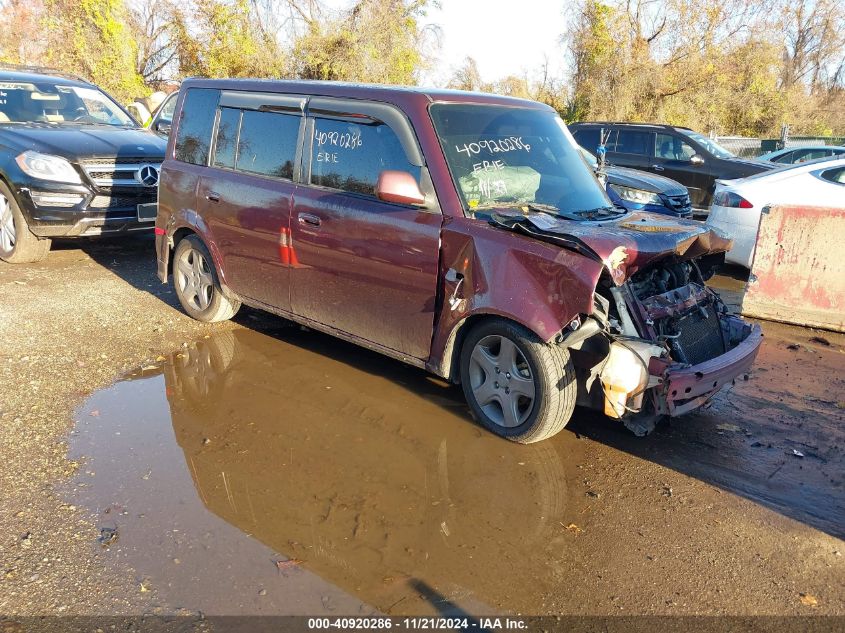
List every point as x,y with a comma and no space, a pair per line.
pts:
298,474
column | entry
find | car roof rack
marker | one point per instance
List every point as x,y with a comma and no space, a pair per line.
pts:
41,70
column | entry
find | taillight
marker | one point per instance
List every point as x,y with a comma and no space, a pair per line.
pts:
731,199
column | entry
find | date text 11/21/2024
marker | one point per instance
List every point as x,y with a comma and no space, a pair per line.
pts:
418,623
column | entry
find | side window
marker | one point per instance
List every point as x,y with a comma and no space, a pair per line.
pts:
267,143
227,136
635,142
588,139
835,175
786,159
673,147
350,156
193,139
167,110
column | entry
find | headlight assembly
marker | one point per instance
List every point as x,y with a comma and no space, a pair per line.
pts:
639,196
48,167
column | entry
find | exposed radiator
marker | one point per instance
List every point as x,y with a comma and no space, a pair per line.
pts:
700,337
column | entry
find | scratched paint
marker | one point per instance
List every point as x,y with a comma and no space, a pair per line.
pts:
798,273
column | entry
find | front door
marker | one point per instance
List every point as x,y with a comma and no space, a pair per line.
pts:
363,266
673,156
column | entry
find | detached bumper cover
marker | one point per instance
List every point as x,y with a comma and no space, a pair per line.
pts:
688,388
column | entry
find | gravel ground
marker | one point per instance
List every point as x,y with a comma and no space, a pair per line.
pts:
93,311
69,326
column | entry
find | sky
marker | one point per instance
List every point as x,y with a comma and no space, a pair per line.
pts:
506,37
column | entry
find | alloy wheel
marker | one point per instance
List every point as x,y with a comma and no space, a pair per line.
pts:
8,235
193,275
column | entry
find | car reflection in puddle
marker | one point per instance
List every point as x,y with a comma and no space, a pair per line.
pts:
345,482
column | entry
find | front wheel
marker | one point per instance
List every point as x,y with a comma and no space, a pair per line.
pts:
516,385
18,245
197,286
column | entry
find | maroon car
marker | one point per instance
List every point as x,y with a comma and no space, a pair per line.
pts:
458,232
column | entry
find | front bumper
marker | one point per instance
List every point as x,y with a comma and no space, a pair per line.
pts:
97,214
687,388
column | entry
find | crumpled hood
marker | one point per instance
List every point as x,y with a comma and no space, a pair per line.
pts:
625,244
76,141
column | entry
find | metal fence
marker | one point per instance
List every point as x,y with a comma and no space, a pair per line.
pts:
748,147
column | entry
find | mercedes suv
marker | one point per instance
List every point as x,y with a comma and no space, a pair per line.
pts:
72,163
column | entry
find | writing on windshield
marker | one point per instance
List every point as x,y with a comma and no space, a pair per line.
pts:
509,156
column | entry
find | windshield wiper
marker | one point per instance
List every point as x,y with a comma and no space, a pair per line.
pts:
536,207
600,212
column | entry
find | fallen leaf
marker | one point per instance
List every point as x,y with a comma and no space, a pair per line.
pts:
728,427
160,359
808,600
797,453
573,528
95,413
820,340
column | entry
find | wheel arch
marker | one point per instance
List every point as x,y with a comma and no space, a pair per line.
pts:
449,365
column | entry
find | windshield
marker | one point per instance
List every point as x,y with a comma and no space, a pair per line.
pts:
502,156
23,102
710,145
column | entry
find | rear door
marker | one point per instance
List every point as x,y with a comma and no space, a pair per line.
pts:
363,266
246,195
631,147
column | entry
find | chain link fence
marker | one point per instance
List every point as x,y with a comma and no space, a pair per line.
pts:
749,147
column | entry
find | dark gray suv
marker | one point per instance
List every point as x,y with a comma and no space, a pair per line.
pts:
692,159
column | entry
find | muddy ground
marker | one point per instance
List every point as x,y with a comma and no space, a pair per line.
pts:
152,464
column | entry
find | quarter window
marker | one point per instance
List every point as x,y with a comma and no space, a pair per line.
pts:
267,143
193,138
835,175
350,155
227,137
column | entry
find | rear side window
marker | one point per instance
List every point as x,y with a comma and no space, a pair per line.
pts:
635,142
784,158
350,156
835,175
193,138
267,143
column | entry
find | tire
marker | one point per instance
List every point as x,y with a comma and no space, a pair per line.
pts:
516,385
197,284
18,245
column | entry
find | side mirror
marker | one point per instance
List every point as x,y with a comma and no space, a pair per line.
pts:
400,187
696,159
162,126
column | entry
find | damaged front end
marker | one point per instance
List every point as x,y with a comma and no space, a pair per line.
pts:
687,343
658,342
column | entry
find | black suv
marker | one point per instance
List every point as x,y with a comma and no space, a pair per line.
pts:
72,163
678,153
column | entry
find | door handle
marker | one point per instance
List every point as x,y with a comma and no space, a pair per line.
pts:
212,196
657,168
309,219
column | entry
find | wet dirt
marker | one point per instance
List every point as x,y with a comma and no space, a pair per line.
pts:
277,470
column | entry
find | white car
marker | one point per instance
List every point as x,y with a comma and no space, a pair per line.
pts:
737,203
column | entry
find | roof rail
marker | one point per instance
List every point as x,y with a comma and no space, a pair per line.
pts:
44,70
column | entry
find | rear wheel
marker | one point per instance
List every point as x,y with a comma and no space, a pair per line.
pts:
516,385
18,245
197,285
